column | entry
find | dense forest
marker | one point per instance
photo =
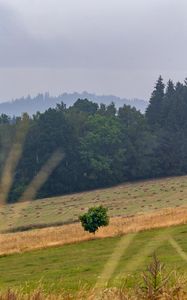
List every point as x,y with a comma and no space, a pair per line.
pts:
101,145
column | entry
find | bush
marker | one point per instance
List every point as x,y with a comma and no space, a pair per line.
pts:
94,218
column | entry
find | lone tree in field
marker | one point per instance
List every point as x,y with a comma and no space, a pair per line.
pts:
94,218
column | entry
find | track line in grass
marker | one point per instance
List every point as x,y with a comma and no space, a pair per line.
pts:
114,259
139,258
178,249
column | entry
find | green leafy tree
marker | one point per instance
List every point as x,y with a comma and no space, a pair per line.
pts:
86,106
94,218
101,152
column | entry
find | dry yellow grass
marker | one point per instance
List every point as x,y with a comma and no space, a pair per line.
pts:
55,236
107,294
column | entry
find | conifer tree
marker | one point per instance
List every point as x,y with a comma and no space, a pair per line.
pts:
170,88
167,105
154,110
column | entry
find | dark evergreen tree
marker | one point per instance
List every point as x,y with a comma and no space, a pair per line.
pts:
138,144
154,110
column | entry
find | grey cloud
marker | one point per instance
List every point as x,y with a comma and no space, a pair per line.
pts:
149,41
111,44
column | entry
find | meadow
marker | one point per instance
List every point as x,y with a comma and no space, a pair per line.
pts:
147,217
123,200
18,242
76,265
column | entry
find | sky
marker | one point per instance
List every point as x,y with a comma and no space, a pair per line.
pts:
115,47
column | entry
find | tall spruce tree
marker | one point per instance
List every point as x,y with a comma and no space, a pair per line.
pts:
167,105
170,88
154,110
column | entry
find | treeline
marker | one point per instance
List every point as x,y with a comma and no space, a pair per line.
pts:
102,145
41,102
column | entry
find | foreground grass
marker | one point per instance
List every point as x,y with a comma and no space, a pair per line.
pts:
72,266
123,200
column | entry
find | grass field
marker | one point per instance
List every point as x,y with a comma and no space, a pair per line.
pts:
119,251
72,266
18,242
122,200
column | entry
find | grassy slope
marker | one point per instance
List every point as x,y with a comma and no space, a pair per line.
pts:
69,265
127,199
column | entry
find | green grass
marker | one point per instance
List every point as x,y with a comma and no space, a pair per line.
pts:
74,265
125,199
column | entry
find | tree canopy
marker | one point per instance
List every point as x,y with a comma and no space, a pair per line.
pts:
101,145
94,218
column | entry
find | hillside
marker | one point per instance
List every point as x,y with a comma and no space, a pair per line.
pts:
145,211
72,266
43,101
99,146
123,200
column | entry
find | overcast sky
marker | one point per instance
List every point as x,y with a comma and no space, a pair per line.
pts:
104,46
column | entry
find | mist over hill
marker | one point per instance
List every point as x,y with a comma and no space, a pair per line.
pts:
42,102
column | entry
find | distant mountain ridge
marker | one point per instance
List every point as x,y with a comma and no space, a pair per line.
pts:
44,101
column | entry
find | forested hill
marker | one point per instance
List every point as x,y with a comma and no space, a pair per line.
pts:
98,145
44,101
